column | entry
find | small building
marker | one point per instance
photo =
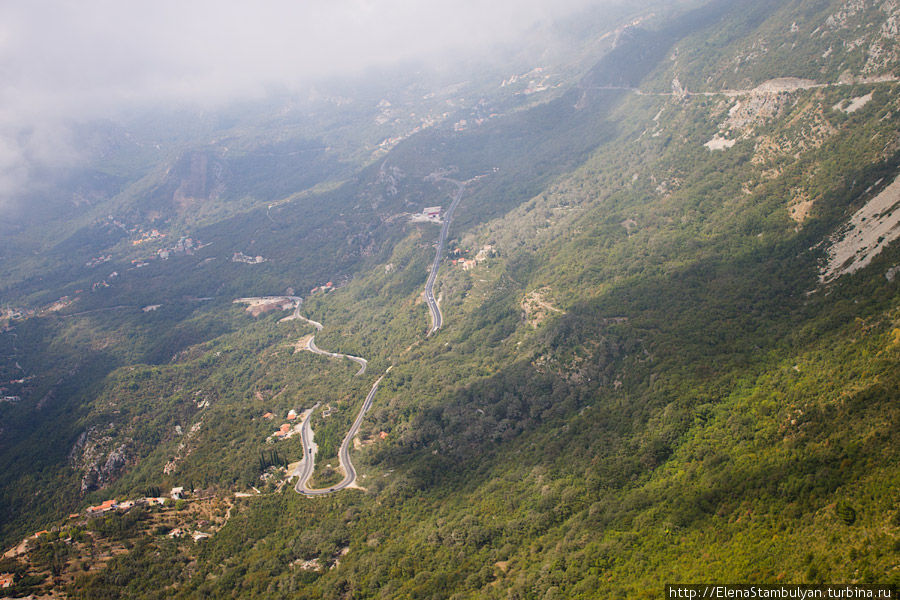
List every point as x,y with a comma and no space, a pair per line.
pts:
269,416
487,251
105,507
432,212
283,432
292,414
383,435
467,264
6,580
177,493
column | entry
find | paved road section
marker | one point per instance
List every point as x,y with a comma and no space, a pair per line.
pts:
297,316
305,470
307,464
437,319
311,346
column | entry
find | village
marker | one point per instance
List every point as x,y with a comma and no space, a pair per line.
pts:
459,260
287,430
240,257
87,541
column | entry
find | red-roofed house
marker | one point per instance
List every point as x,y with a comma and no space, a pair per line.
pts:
105,507
6,580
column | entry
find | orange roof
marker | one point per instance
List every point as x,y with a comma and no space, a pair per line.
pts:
40,533
106,505
285,428
383,435
268,415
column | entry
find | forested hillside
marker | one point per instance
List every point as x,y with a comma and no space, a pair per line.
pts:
669,351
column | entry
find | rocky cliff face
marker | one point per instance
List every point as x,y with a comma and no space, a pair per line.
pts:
96,455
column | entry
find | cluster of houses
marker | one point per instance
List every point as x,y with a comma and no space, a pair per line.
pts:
8,580
184,245
99,260
470,263
465,263
146,237
11,314
107,506
286,429
104,284
178,532
240,257
325,288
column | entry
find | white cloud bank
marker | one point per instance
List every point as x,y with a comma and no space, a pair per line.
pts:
63,59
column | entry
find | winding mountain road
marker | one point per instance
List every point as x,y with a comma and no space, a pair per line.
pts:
296,316
306,468
307,464
437,319
311,346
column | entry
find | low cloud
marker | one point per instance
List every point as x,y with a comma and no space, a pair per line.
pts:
65,59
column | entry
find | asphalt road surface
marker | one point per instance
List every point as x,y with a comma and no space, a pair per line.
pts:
437,319
305,470
307,465
311,346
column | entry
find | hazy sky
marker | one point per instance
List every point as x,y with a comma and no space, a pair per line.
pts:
84,58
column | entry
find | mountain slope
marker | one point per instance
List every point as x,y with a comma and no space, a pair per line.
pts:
643,376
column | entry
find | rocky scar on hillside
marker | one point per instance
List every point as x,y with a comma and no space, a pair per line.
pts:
869,231
98,457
